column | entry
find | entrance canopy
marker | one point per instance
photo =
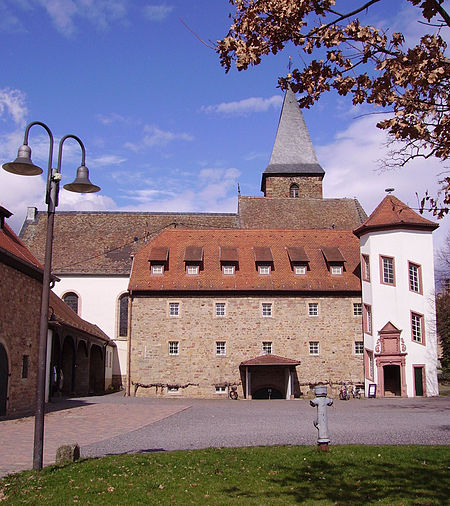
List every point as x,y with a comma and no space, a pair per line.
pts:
270,359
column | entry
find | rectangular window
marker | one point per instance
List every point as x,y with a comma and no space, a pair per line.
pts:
369,364
417,332
174,348
264,270
157,269
415,278
313,347
267,347
220,308
300,270
357,309
25,363
387,271
220,348
359,347
221,390
366,268
192,270
313,309
367,319
173,390
228,270
266,309
174,309
336,270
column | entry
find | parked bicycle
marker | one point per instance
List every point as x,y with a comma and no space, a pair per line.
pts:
344,393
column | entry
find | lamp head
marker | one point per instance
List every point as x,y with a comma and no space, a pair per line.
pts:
81,184
22,165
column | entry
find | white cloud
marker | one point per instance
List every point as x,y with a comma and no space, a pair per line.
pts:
154,136
107,160
13,103
108,119
157,12
350,162
246,106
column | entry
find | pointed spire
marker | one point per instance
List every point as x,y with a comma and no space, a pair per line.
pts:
293,152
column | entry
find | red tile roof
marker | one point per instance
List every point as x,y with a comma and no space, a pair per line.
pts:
10,243
269,359
393,213
246,277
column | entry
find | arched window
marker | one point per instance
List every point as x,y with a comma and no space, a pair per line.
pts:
123,315
71,299
293,191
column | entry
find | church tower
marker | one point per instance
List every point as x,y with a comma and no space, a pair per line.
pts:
293,169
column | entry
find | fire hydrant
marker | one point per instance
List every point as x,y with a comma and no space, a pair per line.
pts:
321,401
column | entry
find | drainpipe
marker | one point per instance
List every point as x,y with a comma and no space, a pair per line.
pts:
130,306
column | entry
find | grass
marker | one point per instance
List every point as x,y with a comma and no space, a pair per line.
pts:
262,475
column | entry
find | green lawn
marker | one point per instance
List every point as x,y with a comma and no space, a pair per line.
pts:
261,475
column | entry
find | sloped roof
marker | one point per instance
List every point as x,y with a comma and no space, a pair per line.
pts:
293,152
64,315
392,213
104,242
269,359
299,213
13,250
246,277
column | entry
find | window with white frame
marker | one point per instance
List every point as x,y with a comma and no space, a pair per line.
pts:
264,270
174,347
366,268
174,309
71,299
221,348
313,347
123,315
313,309
367,319
369,364
300,270
228,270
157,269
267,347
266,309
415,278
192,270
336,270
417,327
387,271
294,191
221,389
359,347
357,309
220,309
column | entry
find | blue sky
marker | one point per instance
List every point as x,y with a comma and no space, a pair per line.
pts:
165,128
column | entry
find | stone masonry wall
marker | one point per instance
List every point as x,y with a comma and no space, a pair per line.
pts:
309,186
19,334
243,329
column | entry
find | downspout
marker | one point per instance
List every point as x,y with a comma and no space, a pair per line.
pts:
130,312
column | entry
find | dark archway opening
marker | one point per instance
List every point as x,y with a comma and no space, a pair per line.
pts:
56,382
96,371
67,366
82,370
267,393
4,374
392,385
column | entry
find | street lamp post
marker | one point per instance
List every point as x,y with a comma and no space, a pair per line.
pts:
23,165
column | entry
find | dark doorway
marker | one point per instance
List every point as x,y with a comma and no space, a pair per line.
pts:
67,366
4,372
267,393
392,384
96,371
418,381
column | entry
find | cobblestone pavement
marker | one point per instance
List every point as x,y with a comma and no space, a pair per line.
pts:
115,424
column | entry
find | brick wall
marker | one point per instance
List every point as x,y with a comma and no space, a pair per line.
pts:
243,329
19,334
309,186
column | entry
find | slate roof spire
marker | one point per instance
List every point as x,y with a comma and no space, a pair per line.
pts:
293,152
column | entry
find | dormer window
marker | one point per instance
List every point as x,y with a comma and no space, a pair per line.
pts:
294,191
299,260
335,260
229,260
263,259
193,258
159,260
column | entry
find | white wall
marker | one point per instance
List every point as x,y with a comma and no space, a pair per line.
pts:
395,303
98,303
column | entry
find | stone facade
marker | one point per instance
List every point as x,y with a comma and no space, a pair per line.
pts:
19,335
243,329
279,186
